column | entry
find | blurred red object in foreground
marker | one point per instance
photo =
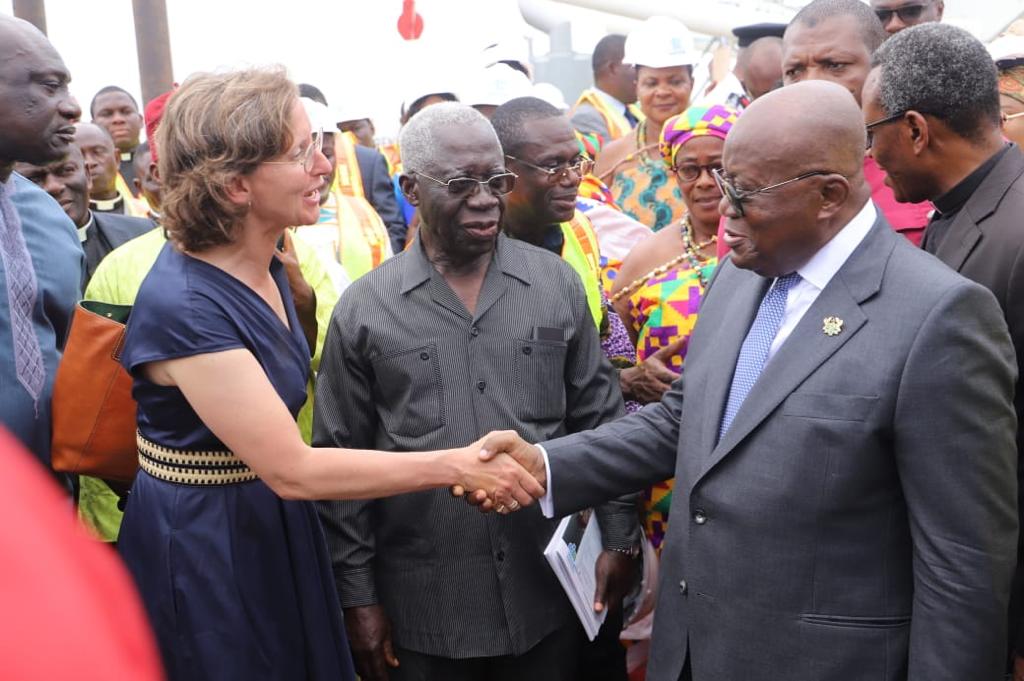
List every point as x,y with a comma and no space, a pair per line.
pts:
69,610
410,24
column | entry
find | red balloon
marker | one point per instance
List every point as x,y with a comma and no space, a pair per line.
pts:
410,24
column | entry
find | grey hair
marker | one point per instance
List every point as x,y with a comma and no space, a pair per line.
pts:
418,141
943,71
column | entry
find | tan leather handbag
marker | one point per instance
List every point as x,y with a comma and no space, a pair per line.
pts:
93,410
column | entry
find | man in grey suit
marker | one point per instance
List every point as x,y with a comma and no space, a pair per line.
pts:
932,103
842,438
465,332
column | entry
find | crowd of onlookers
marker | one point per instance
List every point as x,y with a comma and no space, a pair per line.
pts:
766,334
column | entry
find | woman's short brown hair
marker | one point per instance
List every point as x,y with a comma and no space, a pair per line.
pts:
217,127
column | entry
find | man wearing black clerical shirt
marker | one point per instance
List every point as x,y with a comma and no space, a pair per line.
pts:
932,109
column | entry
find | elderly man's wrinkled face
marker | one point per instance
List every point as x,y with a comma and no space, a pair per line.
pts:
897,15
832,49
36,110
66,181
541,198
462,226
100,158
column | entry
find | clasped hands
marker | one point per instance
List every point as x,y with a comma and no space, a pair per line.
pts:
500,472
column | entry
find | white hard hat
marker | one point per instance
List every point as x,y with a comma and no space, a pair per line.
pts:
660,42
319,115
550,94
495,85
1007,50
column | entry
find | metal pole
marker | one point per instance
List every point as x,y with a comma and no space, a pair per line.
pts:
32,11
153,45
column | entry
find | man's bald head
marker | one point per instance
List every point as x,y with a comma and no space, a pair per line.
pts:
793,168
36,110
101,160
760,66
791,126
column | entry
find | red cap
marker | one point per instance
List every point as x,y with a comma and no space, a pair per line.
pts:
153,113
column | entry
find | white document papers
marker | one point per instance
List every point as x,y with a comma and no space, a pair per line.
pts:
572,554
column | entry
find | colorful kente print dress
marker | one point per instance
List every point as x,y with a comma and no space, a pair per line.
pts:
648,193
661,311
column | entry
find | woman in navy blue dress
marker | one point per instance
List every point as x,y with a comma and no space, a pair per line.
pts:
219,532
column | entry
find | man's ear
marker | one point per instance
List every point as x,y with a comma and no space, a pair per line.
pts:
154,171
835,190
918,131
410,188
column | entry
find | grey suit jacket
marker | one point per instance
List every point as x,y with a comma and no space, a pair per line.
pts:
380,193
586,118
406,367
858,520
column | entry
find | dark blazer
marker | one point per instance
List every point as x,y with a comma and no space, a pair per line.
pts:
985,243
858,521
406,367
107,232
379,191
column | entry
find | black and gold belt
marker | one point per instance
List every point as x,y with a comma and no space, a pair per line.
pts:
189,467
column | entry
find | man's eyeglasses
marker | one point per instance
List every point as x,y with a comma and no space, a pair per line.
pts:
870,127
581,166
307,156
1010,117
908,14
498,185
691,172
738,196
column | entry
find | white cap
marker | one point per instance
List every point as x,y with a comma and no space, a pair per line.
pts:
495,85
319,115
660,42
550,94
1006,50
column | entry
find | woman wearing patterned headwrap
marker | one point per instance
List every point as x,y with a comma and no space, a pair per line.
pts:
658,290
1011,101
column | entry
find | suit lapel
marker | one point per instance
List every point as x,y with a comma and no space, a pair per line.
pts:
958,244
807,348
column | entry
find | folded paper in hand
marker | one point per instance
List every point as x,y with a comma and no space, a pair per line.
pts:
572,554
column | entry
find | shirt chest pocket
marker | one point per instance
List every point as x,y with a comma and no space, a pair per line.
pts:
540,379
408,386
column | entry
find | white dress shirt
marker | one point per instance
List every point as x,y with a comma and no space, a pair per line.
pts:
614,103
814,277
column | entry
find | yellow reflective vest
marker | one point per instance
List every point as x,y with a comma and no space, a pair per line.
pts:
580,250
616,122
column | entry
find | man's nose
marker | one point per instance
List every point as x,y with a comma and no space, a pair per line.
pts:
69,109
53,186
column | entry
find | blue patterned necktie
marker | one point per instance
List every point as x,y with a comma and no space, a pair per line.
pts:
755,348
20,276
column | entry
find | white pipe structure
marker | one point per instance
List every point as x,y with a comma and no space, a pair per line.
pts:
711,18
545,15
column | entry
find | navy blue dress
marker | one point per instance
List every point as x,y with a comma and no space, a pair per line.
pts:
236,580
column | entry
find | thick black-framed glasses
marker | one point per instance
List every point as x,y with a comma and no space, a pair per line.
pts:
738,196
691,172
870,127
499,185
907,14
581,166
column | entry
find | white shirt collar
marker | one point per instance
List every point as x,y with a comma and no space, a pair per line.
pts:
83,231
616,104
823,265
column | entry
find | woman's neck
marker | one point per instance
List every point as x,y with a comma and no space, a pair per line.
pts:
248,256
703,233
652,132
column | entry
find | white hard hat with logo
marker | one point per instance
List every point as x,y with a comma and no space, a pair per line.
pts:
660,42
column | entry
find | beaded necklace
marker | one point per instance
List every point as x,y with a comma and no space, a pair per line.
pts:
691,252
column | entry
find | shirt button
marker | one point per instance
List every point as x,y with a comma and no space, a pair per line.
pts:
527,350
474,331
481,385
424,356
500,555
700,517
682,586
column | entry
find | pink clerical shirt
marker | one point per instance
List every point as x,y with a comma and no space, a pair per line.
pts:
909,219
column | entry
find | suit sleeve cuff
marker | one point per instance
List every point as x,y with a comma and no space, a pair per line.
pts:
547,503
356,587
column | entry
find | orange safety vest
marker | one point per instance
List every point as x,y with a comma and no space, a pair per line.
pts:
617,124
136,207
347,178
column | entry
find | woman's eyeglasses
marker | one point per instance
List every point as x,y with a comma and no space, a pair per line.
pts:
307,156
498,185
691,172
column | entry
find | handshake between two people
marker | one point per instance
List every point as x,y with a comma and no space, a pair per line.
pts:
501,472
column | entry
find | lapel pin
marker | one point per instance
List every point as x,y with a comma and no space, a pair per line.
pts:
832,326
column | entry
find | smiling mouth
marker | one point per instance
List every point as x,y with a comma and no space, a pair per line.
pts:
312,195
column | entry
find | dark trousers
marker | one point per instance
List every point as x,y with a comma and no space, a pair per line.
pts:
555,658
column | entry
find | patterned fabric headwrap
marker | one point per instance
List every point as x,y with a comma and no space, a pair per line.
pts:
697,121
1011,83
